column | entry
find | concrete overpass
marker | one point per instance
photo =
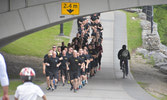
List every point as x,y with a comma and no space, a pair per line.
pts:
21,17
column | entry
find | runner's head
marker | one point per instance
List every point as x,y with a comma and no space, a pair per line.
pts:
64,52
62,43
70,50
124,47
54,54
75,53
90,46
65,48
59,49
50,53
27,74
54,48
85,51
85,48
80,51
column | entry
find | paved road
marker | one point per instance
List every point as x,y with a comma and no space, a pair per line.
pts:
108,83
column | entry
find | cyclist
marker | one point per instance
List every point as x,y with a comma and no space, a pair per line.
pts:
4,80
124,55
28,90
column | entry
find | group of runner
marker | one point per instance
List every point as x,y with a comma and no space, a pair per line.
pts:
79,60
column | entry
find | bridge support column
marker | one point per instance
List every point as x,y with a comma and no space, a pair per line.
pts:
61,30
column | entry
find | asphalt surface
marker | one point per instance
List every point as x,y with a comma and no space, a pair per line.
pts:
108,83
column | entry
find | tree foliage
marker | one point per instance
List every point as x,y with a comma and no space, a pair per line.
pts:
160,17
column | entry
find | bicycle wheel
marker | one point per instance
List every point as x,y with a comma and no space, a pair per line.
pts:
123,70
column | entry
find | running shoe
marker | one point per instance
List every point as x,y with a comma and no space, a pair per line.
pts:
52,89
63,84
80,86
86,81
75,90
55,86
71,88
83,83
48,88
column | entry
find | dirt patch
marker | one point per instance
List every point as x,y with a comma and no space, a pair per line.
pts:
16,63
150,78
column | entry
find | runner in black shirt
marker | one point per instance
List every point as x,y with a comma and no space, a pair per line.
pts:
74,62
63,66
45,68
82,70
93,63
87,64
69,54
54,64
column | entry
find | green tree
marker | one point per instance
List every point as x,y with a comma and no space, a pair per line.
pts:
160,17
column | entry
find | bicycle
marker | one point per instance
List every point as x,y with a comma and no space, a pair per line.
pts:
124,69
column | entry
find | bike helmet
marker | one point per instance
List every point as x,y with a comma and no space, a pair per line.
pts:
124,47
27,74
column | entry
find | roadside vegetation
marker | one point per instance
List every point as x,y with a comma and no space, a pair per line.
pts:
134,31
39,43
160,17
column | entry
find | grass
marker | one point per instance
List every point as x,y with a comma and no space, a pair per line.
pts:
161,97
38,43
151,61
134,31
13,85
143,85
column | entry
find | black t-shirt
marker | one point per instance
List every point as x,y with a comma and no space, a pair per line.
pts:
93,51
88,56
74,63
46,60
84,41
93,18
59,54
53,62
64,61
86,26
83,58
75,38
81,19
69,55
90,51
86,35
93,34
62,48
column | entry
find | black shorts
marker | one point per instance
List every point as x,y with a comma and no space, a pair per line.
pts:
54,74
47,72
63,72
73,75
82,72
87,70
79,72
